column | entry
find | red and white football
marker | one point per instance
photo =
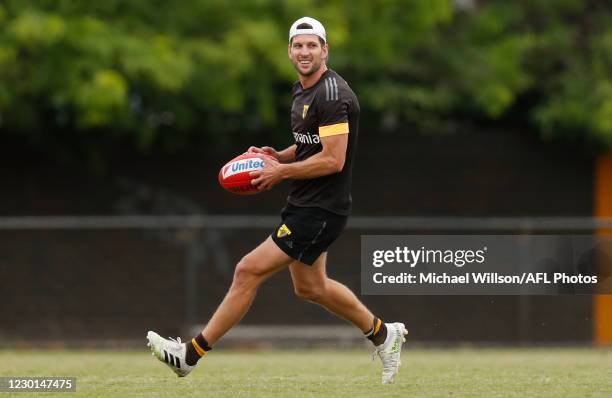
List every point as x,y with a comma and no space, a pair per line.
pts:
235,177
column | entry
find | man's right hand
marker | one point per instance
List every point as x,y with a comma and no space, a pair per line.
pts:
266,150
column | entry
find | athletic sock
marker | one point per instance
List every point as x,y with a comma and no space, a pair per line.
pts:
196,349
378,334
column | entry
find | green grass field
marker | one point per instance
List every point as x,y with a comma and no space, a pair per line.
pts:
316,373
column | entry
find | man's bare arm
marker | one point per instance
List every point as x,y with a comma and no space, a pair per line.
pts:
287,155
329,161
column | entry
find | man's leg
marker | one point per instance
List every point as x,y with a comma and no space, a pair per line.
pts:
311,283
251,271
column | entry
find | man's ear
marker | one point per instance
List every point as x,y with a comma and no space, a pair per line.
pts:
289,50
325,51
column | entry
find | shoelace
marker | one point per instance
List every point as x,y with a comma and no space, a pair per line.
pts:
177,340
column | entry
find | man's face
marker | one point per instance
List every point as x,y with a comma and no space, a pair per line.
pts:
307,54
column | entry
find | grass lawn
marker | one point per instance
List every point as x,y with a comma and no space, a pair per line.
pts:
536,372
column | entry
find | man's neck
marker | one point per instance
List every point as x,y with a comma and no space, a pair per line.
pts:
309,81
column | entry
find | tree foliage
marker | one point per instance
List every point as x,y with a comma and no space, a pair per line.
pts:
162,75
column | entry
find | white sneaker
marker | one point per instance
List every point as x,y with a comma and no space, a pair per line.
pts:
171,352
390,351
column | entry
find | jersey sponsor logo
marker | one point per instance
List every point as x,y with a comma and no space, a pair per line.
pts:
283,231
306,138
243,165
305,111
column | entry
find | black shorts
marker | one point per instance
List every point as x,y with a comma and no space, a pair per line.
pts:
306,232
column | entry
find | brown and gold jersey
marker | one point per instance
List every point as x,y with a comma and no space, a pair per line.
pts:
328,108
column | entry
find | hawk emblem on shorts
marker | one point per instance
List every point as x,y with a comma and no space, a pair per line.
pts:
305,111
283,231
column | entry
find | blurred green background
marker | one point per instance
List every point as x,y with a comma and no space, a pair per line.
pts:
80,79
470,108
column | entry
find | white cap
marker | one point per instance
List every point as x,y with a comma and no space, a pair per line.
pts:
317,28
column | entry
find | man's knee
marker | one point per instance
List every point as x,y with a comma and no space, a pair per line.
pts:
309,291
248,272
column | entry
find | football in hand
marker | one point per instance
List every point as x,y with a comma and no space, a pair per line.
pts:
235,176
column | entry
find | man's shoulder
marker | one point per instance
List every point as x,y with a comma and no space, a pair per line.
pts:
333,88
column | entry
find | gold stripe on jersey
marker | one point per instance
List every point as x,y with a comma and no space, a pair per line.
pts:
334,129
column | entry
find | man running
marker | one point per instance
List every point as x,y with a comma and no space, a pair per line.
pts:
325,122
